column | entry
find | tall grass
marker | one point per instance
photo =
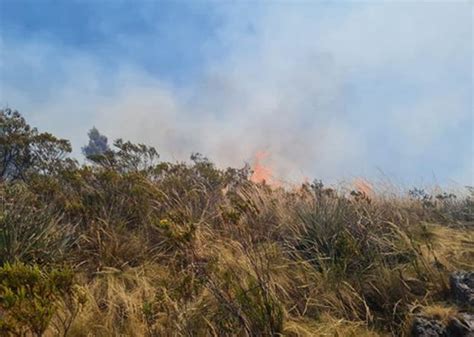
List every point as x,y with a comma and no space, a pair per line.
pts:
190,250
31,231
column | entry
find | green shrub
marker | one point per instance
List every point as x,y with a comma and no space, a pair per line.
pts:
29,297
29,230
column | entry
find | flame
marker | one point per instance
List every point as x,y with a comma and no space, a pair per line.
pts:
260,172
363,186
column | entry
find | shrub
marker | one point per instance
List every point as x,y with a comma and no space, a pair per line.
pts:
29,297
29,230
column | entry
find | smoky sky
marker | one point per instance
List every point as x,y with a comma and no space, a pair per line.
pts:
330,91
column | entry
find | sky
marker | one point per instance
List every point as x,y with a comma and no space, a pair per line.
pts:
330,90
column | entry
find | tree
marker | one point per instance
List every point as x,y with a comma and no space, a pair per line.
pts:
131,157
124,157
25,151
97,146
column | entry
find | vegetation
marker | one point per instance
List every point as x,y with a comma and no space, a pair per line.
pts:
126,245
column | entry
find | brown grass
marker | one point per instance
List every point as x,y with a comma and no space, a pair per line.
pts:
200,256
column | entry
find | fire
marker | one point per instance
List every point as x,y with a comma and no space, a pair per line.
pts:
261,173
363,186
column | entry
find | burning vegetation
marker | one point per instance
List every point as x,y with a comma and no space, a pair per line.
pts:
128,245
260,172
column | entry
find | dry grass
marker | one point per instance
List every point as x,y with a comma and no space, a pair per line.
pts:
190,253
129,246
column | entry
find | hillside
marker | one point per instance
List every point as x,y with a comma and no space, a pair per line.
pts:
128,245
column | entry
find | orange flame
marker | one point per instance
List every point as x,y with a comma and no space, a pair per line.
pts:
261,173
363,186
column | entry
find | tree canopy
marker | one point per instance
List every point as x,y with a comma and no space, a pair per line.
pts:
24,150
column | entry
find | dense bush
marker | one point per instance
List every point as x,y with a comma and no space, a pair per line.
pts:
30,297
30,231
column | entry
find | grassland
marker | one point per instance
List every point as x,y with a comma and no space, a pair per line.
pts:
130,246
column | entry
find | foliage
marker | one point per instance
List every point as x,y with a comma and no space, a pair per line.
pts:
445,207
29,230
29,297
126,157
25,151
189,249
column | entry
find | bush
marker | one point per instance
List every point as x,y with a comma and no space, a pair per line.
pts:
29,230
24,151
29,297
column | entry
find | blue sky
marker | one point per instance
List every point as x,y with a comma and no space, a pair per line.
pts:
331,89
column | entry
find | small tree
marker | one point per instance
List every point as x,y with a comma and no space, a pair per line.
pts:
24,150
131,157
124,157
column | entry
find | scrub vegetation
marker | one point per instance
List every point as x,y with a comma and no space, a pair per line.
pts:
128,245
